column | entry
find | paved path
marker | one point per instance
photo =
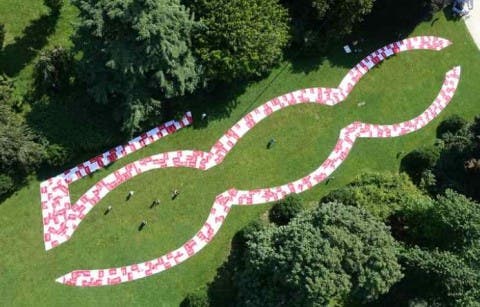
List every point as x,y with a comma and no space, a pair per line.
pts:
473,22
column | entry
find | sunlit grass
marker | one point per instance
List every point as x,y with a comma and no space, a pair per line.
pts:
399,89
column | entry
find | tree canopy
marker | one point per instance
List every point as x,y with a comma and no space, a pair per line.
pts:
286,209
454,160
319,22
333,253
379,194
20,154
2,35
240,39
440,253
135,54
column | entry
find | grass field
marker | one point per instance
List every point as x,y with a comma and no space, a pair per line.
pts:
399,89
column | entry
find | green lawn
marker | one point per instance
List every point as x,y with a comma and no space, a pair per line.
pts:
31,27
400,89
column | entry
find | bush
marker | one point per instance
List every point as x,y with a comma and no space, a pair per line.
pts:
317,23
2,35
6,184
419,161
20,153
380,194
241,38
286,209
452,125
198,298
247,232
136,54
438,277
437,5
331,255
57,155
6,89
53,69
54,5
475,127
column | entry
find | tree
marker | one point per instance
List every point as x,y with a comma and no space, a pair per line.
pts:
2,35
53,68
452,163
136,53
333,253
475,127
450,222
199,298
440,278
316,23
418,161
240,39
19,153
452,124
286,209
57,155
54,5
441,254
6,184
379,194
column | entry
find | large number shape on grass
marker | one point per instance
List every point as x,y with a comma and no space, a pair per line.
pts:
69,219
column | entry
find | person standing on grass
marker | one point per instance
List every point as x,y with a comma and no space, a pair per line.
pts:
130,194
142,225
271,143
155,203
175,194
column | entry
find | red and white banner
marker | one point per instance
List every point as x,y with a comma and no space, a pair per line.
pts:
61,218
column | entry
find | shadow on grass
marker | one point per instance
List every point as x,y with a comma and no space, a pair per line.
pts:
217,102
71,120
14,57
222,291
389,21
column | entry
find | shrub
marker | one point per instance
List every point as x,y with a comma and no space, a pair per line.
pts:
428,181
317,23
53,68
379,194
247,232
2,35
475,127
286,209
57,155
6,184
437,5
418,161
241,38
452,125
135,55
54,5
19,152
199,298
441,278
6,89
333,253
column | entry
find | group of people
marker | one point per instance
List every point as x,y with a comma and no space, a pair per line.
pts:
155,203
